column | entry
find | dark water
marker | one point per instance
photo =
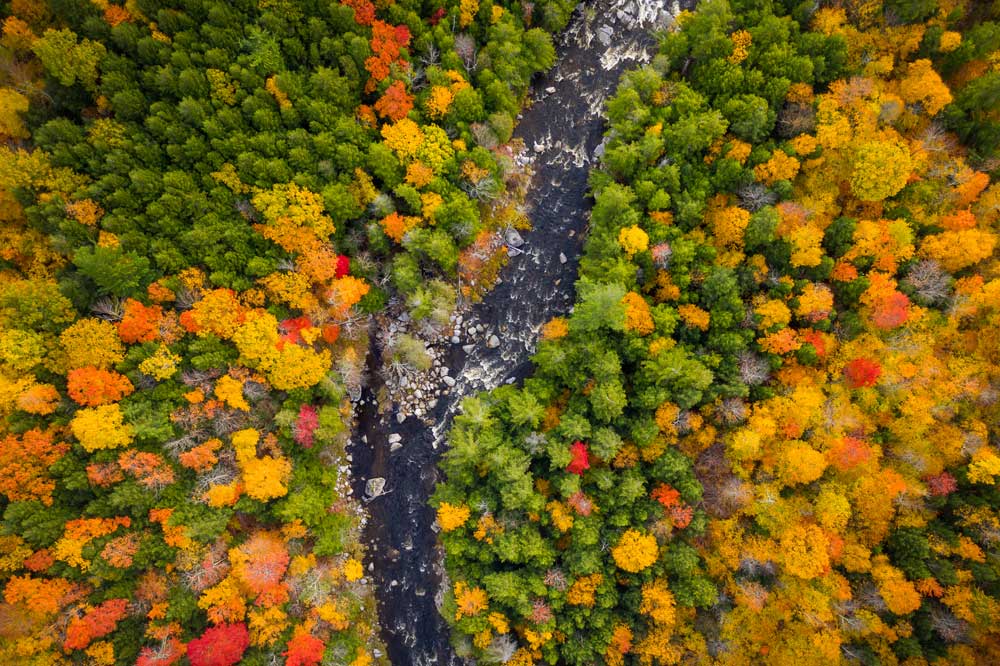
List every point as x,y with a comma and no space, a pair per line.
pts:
562,129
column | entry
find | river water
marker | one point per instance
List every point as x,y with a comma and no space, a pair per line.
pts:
562,129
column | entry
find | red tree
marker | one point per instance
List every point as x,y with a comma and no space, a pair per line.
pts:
306,425
223,645
581,458
862,372
343,264
99,621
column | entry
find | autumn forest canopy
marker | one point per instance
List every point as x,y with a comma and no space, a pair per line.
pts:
766,433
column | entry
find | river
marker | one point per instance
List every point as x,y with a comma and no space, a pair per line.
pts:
561,127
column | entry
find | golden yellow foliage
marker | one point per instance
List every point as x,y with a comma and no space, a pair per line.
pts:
635,551
881,169
658,603
404,138
451,517
230,391
633,239
583,589
92,342
162,364
638,318
101,427
694,316
780,167
804,551
469,601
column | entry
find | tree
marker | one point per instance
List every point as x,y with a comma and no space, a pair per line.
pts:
395,103
67,60
95,623
101,427
304,649
92,387
92,343
881,169
25,461
222,645
580,459
635,551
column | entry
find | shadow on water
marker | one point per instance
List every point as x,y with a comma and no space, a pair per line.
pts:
562,129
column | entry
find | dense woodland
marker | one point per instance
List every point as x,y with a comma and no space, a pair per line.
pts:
767,433
201,202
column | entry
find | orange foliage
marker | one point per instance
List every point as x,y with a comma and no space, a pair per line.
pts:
41,399
396,225
469,600
91,387
259,564
24,465
140,323
395,102
150,470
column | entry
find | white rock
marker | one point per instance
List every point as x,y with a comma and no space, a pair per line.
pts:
450,381
374,487
493,342
400,417
468,348
513,238
550,89
455,340
395,446
395,437
562,258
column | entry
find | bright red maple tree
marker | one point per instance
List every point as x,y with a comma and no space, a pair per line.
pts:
862,372
223,645
581,458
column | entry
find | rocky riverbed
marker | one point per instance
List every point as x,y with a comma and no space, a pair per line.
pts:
404,415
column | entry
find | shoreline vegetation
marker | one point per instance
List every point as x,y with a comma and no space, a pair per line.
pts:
768,431
203,203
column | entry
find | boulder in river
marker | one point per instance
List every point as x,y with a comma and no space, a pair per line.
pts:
375,487
513,238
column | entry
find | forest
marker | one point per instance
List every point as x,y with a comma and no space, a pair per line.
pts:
766,433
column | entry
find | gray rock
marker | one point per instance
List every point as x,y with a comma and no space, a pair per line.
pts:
375,487
604,34
468,348
400,417
513,238
562,258
395,446
455,340
450,381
